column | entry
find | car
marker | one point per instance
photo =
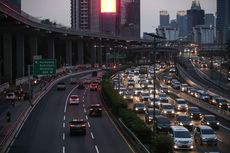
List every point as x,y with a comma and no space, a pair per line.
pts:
176,84
81,85
164,88
95,110
74,99
181,104
139,107
184,87
202,95
151,101
221,103
128,96
149,115
167,109
172,70
162,123
144,96
163,97
183,120
211,121
194,113
204,134
77,126
61,86
137,91
93,86
130,83
181,137
73,80
10,96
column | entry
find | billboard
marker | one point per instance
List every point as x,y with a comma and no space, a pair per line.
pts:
108,6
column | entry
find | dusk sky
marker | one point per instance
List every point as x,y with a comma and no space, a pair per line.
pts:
59,10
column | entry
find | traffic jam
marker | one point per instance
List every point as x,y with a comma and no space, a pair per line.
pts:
187,124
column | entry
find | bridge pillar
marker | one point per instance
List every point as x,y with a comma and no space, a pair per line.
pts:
33,47
69,52
20,51
7,57
93,52
80,46
99,55
51,48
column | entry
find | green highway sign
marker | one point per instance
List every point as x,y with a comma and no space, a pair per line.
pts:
44,66
116,56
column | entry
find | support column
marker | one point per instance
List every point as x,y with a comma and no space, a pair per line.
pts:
69,52
51,48
93,52
20,50
99,55
7,57
80,52
33,47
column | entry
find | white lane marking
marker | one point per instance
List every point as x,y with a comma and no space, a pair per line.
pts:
224,127
88,124
220,140
63,149
63,136
63,125
86,117
84,110
64,118
84,105
96,149
92,135
66,101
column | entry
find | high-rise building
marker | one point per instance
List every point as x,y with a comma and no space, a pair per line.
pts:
173,23
195,17
203,34
130,18
209,20
80,15
182,23
115,17
164,18
223,21
17,3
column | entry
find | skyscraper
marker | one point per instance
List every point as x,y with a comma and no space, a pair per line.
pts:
182,23
164,18
223,21
195,17
130,18
209,20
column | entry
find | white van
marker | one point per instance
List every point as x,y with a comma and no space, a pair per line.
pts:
181,137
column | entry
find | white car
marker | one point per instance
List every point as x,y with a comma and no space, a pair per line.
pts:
10,96
167,109
181,137
74,99
205,134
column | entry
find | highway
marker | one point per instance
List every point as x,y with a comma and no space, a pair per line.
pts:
47,129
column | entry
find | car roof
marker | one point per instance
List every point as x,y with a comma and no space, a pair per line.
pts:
178,128
202,127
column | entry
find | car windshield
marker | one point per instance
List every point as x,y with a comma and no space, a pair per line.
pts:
163,120
145,94
167,107
182,134
183,118
163,95
207,131
210,118
140,105
194,109
157,112
222,101
181,102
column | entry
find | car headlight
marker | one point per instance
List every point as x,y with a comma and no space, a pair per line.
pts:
200,114
165,111
131,97
178,106
144,108
218,123
181,124
124,96
208,123
173,111
190,123
136,109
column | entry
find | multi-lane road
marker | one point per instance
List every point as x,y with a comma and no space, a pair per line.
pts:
47,127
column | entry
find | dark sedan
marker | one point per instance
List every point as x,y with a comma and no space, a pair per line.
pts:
211,121
184,120
95,110
162,123
77,126
194,113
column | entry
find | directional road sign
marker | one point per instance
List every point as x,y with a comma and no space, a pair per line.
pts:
44,66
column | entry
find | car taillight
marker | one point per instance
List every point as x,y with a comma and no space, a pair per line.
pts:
78,98
83,125
71,125
91,109
70,98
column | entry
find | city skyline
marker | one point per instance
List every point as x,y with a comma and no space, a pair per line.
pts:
150,10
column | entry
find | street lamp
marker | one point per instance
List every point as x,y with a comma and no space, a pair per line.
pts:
154,36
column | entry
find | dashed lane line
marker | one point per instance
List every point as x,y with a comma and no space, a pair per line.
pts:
224,127
63,136
96,149
63,149
92,135
84,110
64,118
88,124
86,117
63,124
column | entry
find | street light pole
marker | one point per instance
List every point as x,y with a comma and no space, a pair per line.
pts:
154,83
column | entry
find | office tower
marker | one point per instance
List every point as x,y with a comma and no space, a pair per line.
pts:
223,21
130,18
195,16
173,24
209,20
164,18
182,23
